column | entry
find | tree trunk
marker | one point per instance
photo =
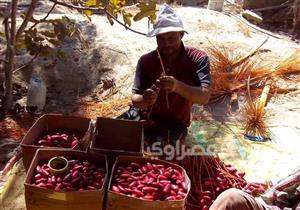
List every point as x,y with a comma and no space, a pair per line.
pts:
10,54
296,18
8,77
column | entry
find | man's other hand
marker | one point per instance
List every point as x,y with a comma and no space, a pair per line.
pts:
150,95
167,83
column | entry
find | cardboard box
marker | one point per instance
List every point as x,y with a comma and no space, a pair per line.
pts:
115,137
46,199
51,123
117,201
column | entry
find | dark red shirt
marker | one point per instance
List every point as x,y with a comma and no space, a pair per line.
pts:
191,67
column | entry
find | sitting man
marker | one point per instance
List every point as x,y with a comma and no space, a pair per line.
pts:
285,194
170,79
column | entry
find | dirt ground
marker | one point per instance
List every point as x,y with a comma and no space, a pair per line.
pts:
105,70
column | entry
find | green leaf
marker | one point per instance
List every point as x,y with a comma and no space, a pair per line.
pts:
90,3
112,10
22,15
114,4
88,12
98,3
111,21
146,10
127,18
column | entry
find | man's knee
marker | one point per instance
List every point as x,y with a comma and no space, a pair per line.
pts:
231,199
235,199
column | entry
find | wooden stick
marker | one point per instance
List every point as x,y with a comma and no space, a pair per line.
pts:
264,95
164,73
161,62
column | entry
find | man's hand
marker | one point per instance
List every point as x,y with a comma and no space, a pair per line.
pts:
167,83
150,95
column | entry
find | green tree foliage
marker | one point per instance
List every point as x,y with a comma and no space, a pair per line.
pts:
45,42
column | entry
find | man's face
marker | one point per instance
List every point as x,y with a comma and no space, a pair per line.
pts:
169,43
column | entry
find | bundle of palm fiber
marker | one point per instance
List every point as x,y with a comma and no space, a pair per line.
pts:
111,108
287,69
254,118
233,73
254,113
230,73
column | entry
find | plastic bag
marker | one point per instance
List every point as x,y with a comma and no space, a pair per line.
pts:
36,96
285,192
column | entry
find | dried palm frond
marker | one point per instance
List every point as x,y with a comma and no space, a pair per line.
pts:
222,59
221,72
224,84
228,70
110,108
289,66
242,72
260,72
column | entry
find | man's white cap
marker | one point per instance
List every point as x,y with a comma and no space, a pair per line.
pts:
167,21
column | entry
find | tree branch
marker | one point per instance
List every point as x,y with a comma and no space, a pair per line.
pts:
13,22
27,18
6,26
96,9
27,64
9,66
43,19
126,27
3,60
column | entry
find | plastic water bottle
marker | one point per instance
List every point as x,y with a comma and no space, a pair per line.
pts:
36,96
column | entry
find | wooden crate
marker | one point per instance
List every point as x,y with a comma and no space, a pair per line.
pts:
115,137
46,199
51,123
116,201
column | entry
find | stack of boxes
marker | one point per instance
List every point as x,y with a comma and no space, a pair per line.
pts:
102,144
